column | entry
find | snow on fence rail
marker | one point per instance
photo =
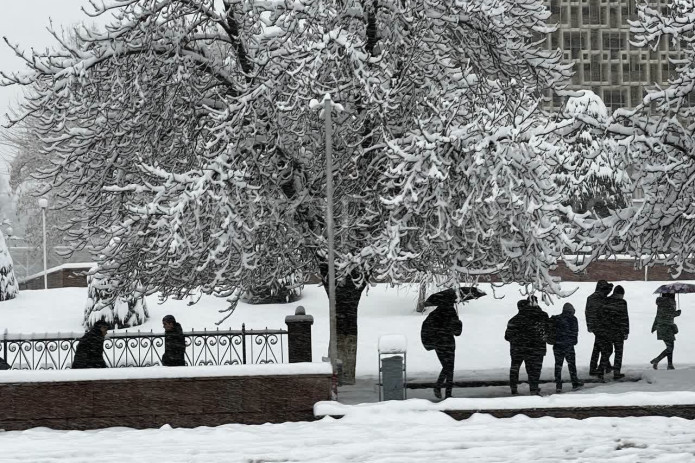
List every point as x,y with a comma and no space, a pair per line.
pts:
55,351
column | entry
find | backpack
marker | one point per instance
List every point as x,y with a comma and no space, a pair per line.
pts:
551,330
428,333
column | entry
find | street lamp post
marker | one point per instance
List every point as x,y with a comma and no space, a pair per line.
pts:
43,204
328,106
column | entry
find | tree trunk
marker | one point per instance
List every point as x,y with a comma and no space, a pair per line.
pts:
347,299
422,295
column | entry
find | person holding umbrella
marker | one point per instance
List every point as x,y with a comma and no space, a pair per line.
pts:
665,327
439,329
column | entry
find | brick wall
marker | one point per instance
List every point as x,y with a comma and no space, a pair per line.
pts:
59,278
151,403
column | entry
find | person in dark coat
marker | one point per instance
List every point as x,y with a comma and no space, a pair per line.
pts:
90,349
566,335
594,305
665,327
437,334
614,328
526,333
174,343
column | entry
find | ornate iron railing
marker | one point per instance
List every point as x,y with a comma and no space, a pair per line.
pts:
141,349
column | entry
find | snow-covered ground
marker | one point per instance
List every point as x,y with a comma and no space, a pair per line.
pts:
482,351
395,432
369,437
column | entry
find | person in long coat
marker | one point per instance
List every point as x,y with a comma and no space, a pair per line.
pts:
526,333
438,332
566,336
665,327
174,343
90,349
595,303
614,328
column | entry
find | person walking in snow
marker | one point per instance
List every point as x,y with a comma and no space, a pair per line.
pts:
174,343
595,303
526,334
566,329
90,349
614,328
665,327
438,331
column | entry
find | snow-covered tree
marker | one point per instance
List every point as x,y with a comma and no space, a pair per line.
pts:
104,303
659,137
8,284
185,131
590,168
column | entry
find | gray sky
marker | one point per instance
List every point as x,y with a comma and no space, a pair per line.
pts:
25,22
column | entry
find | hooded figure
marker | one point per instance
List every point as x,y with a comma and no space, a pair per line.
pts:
174,343
566,334
90,349
594,305
438,331
613,330
526,333
665,327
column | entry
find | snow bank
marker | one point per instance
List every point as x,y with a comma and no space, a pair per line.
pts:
157,372
627,399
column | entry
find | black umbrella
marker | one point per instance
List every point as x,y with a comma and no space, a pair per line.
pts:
676,288
449,296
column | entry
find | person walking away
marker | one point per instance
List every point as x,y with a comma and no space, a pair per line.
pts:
438,331
174,343
566,330
665,327
526,334
90,348
594,303
616,326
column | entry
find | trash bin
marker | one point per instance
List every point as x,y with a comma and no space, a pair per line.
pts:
392,368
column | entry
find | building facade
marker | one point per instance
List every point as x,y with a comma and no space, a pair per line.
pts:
595,36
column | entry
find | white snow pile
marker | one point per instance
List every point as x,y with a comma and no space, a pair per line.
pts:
589,104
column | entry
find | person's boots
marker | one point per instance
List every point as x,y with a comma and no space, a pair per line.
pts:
515,391
670,367
655,363
577,385
617,374
437,392
558,388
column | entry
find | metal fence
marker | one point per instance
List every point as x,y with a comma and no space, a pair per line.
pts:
142,349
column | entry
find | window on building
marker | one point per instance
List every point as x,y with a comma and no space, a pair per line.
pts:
574,16
614,99
594,13
615,74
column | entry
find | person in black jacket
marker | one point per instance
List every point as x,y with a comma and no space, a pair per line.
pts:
614,328
566,334
174,343
90,349
594,305
438,331
526,333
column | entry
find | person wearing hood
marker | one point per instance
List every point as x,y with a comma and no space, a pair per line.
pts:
614,328
665,327
89,352
566,335
438,331
174,343
526,334
595,304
